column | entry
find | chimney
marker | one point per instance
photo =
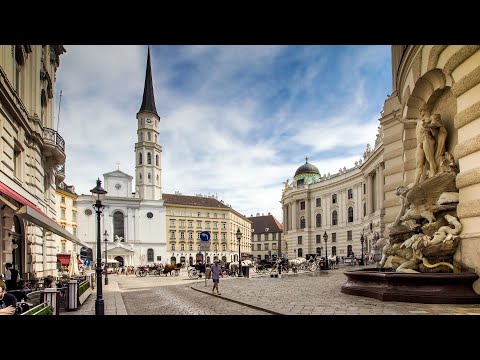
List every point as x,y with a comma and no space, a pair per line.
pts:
269,214
258,214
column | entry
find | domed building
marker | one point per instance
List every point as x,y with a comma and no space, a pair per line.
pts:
342,206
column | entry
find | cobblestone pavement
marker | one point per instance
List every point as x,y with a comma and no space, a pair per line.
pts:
319,294
301,294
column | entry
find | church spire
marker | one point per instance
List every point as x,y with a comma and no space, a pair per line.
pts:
148,102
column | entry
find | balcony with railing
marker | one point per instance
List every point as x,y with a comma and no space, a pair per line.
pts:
53,146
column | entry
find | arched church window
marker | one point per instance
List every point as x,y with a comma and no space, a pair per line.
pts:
149,136
149,177
156,139
149,158
156,160
150,255
118,226
140,159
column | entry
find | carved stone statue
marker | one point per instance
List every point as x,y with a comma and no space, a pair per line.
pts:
431,136
285,185
424,236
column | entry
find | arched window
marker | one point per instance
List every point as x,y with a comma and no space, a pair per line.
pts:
140,159
140,136
300,252
140,176
334,250
150,255
118,225
334,217
149,158
156,160
364,209
350,214
318,250
156,140
302,222
319,220
349,250
149,136
149,177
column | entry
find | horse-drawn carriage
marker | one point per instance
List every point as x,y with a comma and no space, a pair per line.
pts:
196,271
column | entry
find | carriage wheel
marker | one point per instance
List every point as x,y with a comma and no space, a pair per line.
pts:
138,272
144,273
192,274
156,273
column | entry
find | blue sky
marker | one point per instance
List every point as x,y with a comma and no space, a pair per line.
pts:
236,121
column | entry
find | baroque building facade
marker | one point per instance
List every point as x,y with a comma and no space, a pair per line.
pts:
134,221
445,80
188,216
266,237
32,159
343,206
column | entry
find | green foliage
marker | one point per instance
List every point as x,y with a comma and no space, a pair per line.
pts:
83,287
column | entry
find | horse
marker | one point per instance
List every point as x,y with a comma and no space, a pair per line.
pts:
168,268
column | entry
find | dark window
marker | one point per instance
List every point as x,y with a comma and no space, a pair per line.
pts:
274,237
300,182
149,158
349,235
150,255
349,250
350,193
364,209
318,239
334,250
118,225
299,240
302,205
319,202
302,222
350,214
300,252
334,217
319,251
150,215
156,160
334,237
140,159
318,219
364,189
334,198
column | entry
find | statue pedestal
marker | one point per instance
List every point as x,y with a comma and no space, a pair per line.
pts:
426,288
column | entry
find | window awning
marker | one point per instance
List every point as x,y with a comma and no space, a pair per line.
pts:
32,213
65,259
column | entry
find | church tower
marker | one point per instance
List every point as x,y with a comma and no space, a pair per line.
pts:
148,152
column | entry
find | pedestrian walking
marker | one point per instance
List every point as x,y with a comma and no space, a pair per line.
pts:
216,272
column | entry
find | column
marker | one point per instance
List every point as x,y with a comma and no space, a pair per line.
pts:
369,194
381,183
294,215
308,210
284,218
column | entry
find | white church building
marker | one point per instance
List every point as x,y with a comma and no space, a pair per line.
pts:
135,221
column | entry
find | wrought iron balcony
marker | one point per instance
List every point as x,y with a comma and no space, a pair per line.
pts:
54,145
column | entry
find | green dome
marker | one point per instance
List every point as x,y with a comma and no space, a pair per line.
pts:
307,169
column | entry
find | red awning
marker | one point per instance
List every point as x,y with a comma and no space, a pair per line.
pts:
65,259
32,213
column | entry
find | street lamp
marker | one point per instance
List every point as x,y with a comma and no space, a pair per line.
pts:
362,239
325,237
105,237
98,194
239,237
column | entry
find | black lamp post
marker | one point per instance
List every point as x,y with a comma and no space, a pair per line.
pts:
105,238
362,239
98,192
239,237
325,237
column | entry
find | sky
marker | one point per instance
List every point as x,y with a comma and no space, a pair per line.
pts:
236,121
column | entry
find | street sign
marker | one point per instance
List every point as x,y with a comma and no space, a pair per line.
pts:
205,235
86,262
205,246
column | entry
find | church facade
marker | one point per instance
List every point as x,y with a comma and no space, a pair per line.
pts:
133,220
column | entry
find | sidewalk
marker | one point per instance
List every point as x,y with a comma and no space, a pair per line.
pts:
112,299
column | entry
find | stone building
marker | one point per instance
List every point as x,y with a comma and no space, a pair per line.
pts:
266,236
444,79
32,159
188,216
343,206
